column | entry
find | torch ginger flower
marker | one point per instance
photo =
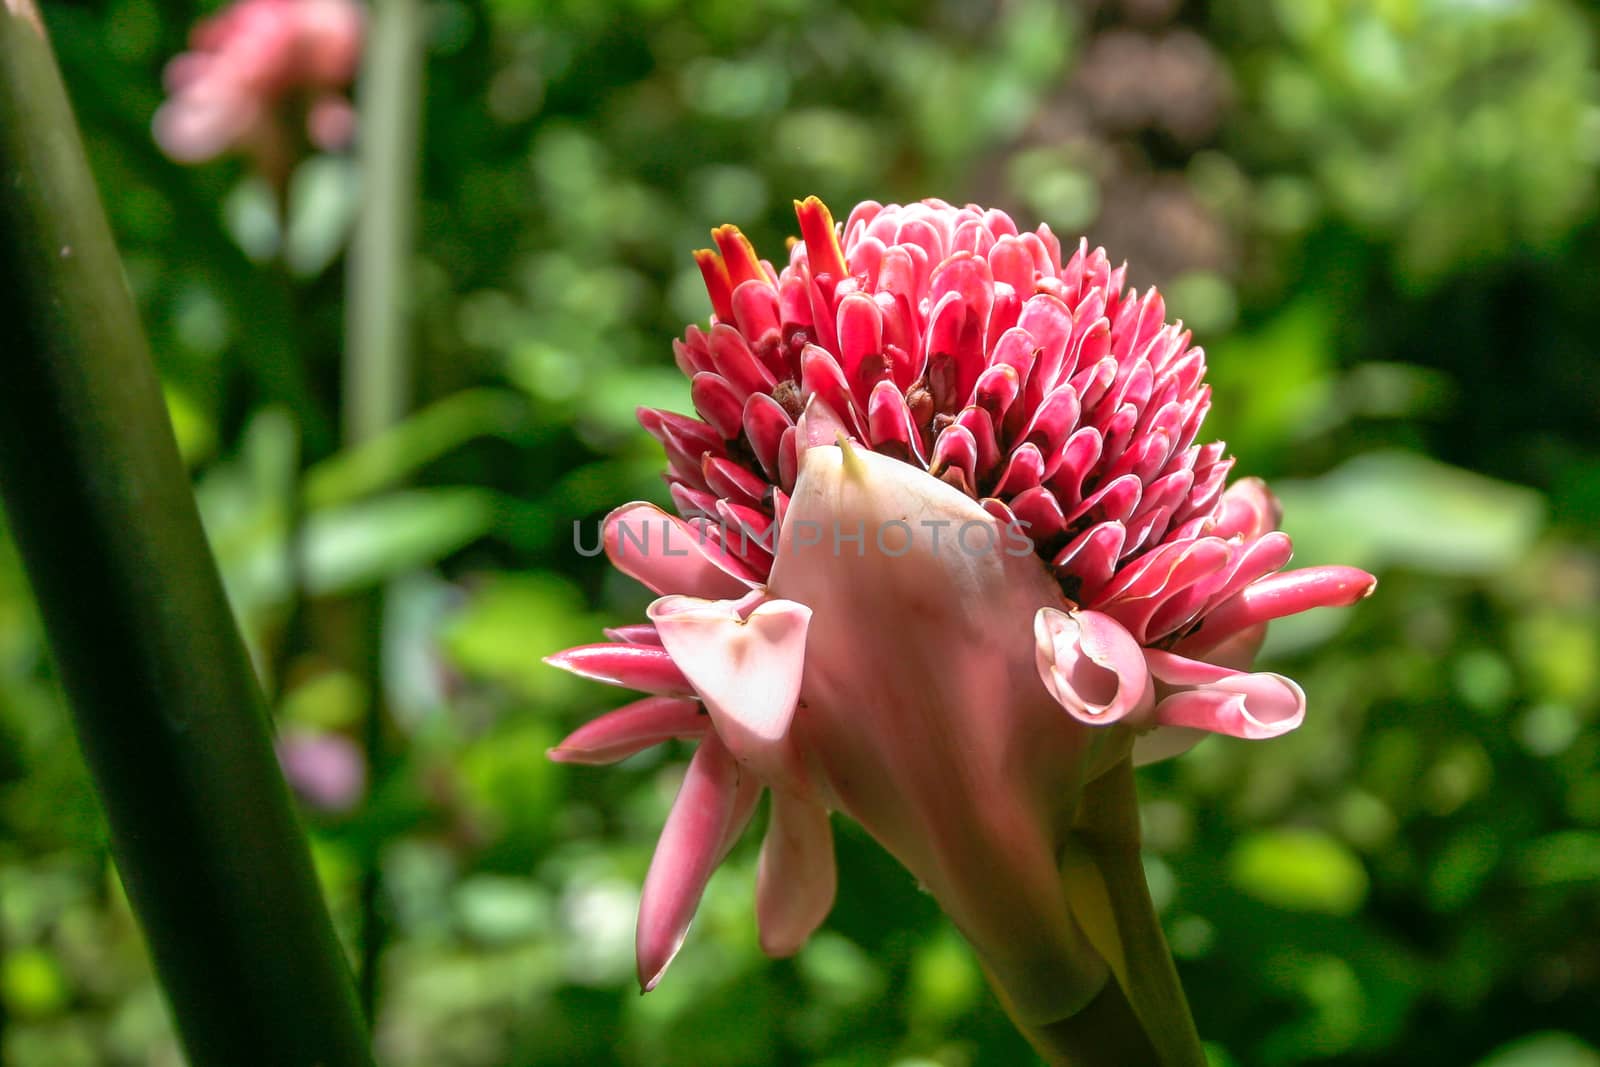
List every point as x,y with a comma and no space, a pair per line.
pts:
947,554
264,77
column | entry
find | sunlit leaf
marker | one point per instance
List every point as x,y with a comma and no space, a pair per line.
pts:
1300,870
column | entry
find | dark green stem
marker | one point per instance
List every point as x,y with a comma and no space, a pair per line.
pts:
377,376
377,372
1104,876
374,923
164,701
292,636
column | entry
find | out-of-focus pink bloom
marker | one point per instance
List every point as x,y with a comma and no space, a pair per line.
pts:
263,77
326,770
947,550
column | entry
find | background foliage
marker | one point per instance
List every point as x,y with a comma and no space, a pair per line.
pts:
1378,215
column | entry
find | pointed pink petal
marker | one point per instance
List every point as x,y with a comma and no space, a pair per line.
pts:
1253,561
745,799
861,343
719,403
1049,323
860,218
1003,315
1156,509
1094,377
632,728
1092,666
1277,596
1091,561
692,503
822,379
1054,421
690,435
1135,606
977,422
1249,509
789,458
1239,651
687,853
765,420
1067,469
1024,470
747,532
729,480
691,354
755,308
737,364
635,633
668,555
1011,263
1113,502
747,670
889,425
819,424
997,389
1038,510
1016,349
955,458
641,667
865,257
797,878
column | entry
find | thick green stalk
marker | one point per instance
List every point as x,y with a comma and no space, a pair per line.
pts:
1108,827
378,375
165,704
1142,1017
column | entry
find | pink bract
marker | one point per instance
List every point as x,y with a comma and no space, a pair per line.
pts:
1098,591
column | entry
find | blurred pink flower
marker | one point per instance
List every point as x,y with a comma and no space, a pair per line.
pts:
326,770
948,551
263,77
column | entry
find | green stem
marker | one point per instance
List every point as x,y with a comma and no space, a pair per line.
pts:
1104,877
377,375
377,372
291,637
164,701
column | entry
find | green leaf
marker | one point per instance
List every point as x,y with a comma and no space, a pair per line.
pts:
514,620
399,452
323,195
1548,1049
1564,857
32,985
359,545
1299,870
1399,509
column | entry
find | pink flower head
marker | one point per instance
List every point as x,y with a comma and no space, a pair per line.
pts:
326,770
946,551
261,76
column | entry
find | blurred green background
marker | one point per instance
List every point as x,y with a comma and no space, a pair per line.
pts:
1380,218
